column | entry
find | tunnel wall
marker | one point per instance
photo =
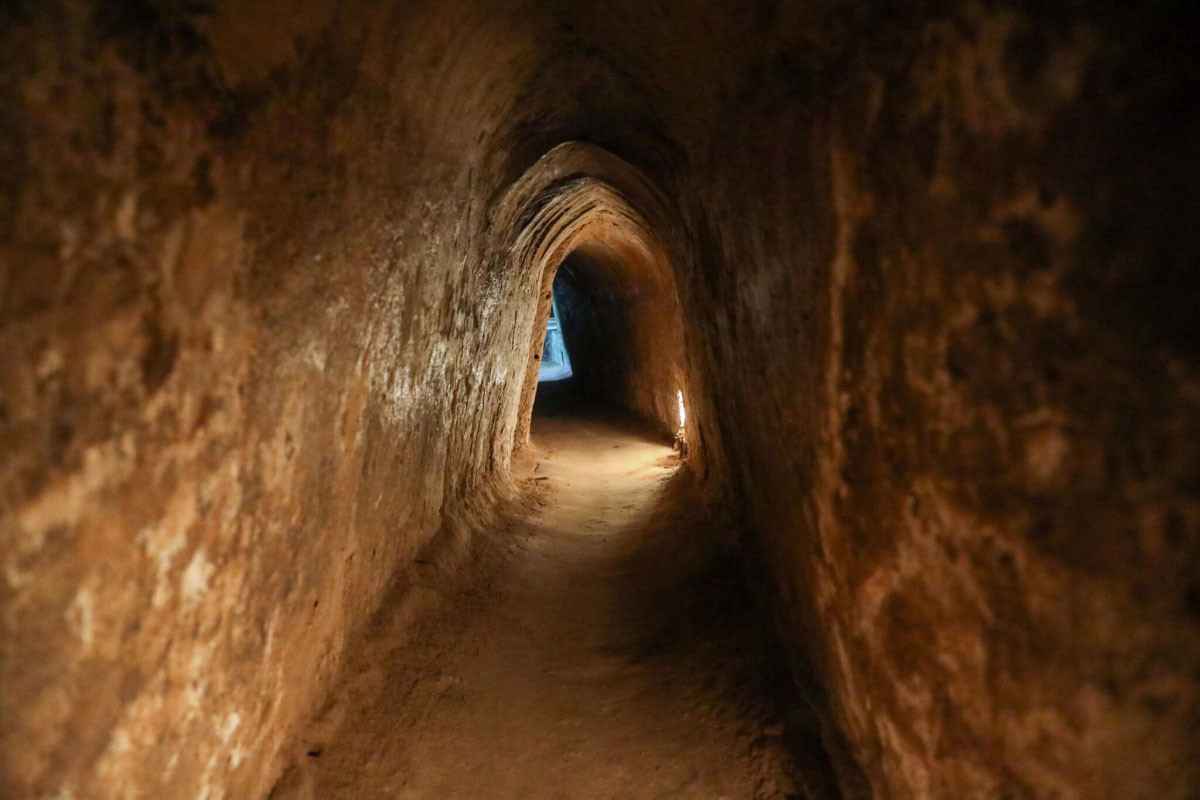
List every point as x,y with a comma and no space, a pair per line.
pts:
940,295
249,366
263,334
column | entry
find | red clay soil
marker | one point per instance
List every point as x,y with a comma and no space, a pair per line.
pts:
594,650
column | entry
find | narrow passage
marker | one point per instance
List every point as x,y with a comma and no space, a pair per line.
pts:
598,648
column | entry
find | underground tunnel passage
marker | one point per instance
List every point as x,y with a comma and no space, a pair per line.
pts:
621,320
286,513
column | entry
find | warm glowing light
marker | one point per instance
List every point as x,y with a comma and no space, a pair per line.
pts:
682,410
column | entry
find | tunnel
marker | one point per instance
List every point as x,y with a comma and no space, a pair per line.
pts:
875,475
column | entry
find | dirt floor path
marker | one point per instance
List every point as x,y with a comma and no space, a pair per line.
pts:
597,650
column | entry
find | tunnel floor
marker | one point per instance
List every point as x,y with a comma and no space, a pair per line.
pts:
597,648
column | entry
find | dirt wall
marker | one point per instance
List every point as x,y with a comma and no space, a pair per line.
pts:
952,375
242,323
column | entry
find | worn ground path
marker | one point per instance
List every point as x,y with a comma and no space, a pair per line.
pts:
597,649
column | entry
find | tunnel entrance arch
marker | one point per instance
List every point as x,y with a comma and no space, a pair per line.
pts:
585,208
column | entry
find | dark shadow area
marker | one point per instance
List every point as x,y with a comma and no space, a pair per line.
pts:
597,303
570,399
594,303
560,399
596,330
701,612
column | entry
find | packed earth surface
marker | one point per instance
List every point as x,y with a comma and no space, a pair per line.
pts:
591,651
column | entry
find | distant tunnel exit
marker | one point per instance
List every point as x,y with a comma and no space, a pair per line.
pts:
556,364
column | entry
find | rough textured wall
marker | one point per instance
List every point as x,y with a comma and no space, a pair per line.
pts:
954,369
241,316
937,275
